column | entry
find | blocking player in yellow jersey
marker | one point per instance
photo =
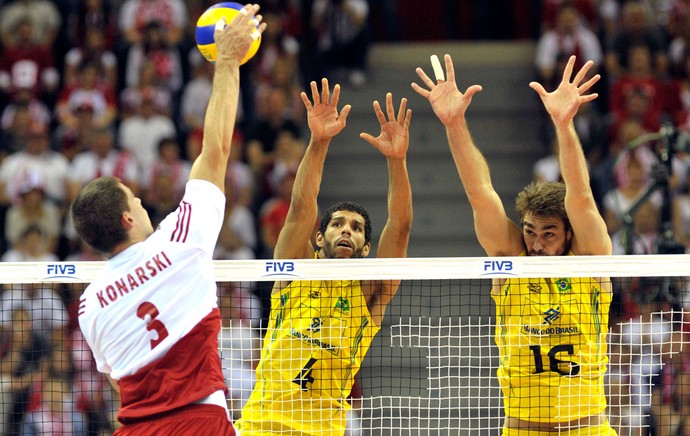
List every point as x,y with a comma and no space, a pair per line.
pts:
320,331
551,333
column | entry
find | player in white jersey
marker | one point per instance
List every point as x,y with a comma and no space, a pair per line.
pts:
152,318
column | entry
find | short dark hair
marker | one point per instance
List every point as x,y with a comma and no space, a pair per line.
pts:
97,213
349,206
543,199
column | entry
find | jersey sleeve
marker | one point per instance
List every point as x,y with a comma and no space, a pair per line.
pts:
198,218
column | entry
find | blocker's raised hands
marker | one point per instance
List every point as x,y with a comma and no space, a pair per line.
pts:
322,115
563,103
448,103
394,138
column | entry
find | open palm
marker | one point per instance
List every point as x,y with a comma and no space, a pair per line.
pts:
448,103
394,138
563,103
322,115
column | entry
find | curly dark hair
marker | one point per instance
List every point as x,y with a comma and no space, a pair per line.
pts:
349,206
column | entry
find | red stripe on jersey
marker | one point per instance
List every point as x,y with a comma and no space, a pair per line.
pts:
188,372
184,212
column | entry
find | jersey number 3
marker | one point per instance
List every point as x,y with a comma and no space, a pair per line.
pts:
148,309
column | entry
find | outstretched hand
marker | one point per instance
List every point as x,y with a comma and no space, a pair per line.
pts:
563,103
322,116
394,138
233,39
448,103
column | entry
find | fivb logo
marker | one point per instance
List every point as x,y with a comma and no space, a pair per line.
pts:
60,271
279,268
498,268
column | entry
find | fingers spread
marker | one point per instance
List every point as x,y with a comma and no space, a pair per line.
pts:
421,91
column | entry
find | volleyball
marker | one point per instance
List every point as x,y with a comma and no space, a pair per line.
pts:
206,25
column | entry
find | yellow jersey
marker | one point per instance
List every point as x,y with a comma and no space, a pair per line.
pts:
317,337
551,336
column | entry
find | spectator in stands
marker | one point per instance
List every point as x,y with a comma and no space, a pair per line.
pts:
103,159
642,236
163,182
547,169
239,343
56,414
156,47
47,310
239,177
141,134
89,92
680,214
284,75
93,49
94,14
36,162
148,86
343,37
586,9
195,95
20,366
24,97
15,133
43,16
93,394
636,28
261,140
237,239
278,48
33,209
633,176
679,94
647,336
273,214
569,37
28,63
638,92
671,398
135,16
286,158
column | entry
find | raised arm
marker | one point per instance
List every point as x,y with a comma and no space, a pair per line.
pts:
232,42
393,142
590,235
496,233
294,241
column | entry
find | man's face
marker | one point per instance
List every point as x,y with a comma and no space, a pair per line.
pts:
137,212
344,236
545,236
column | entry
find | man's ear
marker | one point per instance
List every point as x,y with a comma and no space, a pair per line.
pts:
126,220
365,249
318,239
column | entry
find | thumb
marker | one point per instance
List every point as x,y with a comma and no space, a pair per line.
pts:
538,88
369,138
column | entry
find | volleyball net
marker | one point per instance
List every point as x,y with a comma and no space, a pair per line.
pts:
551,344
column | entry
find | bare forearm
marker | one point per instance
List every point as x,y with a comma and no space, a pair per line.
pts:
219,122
307,184
399,221
469,161
572,161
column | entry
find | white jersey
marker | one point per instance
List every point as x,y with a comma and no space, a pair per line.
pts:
155,308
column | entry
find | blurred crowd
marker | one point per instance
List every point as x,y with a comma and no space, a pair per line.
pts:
117,87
